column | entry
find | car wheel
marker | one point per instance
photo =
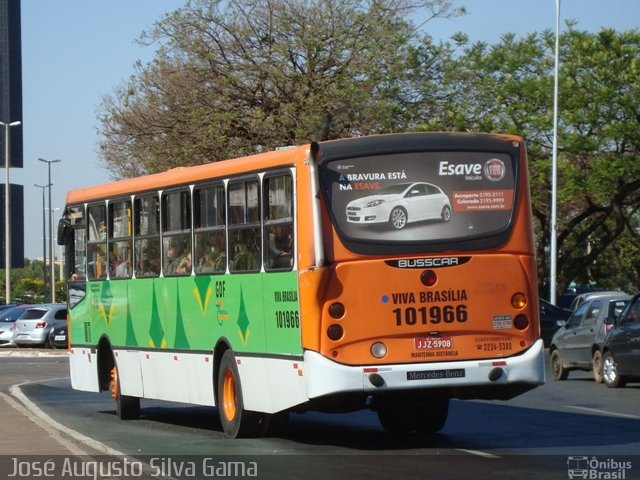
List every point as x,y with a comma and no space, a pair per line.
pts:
446,213
597,366
558,370
398,218
610,375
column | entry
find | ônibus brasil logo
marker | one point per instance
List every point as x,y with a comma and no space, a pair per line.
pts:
494,169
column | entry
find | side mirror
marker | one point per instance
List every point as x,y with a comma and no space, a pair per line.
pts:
561,323
65,232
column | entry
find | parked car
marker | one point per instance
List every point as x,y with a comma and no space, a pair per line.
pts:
8,319
621,351
58,337
401,204
577,345
582,297
566,299
7,306
550,314
33,327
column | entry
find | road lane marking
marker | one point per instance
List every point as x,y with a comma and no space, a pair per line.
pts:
478,453
604,412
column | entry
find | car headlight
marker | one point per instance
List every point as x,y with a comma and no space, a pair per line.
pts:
374,203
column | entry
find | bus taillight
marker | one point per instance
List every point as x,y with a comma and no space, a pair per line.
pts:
521,322
519,300
428,278
336,310
335,332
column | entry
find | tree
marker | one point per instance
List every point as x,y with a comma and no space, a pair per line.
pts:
237,77
508,88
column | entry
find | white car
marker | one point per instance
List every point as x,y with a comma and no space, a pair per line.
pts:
401,204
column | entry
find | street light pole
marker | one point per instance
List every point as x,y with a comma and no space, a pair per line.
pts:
44,240
52,273
553,247
7,212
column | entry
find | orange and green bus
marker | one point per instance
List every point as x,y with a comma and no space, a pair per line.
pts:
389,272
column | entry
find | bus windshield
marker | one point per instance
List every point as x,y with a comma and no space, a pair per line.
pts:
420,197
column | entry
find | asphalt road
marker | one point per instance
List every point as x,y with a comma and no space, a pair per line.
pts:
541,434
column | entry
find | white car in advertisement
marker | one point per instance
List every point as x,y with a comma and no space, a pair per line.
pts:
401,204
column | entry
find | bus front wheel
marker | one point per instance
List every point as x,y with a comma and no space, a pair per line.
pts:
419,414
127,408
236,421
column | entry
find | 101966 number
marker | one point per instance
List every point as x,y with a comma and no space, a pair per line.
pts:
434,314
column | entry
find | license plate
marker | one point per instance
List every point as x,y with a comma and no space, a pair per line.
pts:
60,338
433,343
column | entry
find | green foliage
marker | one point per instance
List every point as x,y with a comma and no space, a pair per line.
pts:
28,284
234,78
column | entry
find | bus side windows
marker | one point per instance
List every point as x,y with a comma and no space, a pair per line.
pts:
176,229
120,231
278,223
245,234
147,236
97,242
147,253
209,229
245,247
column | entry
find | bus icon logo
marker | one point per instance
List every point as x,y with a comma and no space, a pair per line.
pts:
578,467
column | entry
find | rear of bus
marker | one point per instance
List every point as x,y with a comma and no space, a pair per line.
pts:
429,288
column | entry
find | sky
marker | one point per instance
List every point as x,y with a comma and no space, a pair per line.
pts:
74,52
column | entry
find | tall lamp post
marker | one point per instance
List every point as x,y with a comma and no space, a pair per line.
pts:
7,211
52,272
553,276
44,238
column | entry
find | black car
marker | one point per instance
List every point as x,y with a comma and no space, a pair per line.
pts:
621,352
577,344
58,337
549,316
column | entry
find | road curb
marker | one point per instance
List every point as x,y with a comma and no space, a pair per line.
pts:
32,353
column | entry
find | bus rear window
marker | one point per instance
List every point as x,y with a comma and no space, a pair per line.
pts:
419,198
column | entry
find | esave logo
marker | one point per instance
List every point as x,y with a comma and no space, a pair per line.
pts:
493,170
446,168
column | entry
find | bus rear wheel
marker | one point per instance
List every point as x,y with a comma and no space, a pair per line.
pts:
236,421
127,408
413,414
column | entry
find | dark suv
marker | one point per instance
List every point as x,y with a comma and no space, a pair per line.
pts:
620,352
577,344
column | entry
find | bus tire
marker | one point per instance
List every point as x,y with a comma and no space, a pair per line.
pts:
236,421
418,414
127,408
398,218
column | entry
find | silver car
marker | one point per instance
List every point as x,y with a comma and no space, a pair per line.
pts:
401,204
8,319
32,328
